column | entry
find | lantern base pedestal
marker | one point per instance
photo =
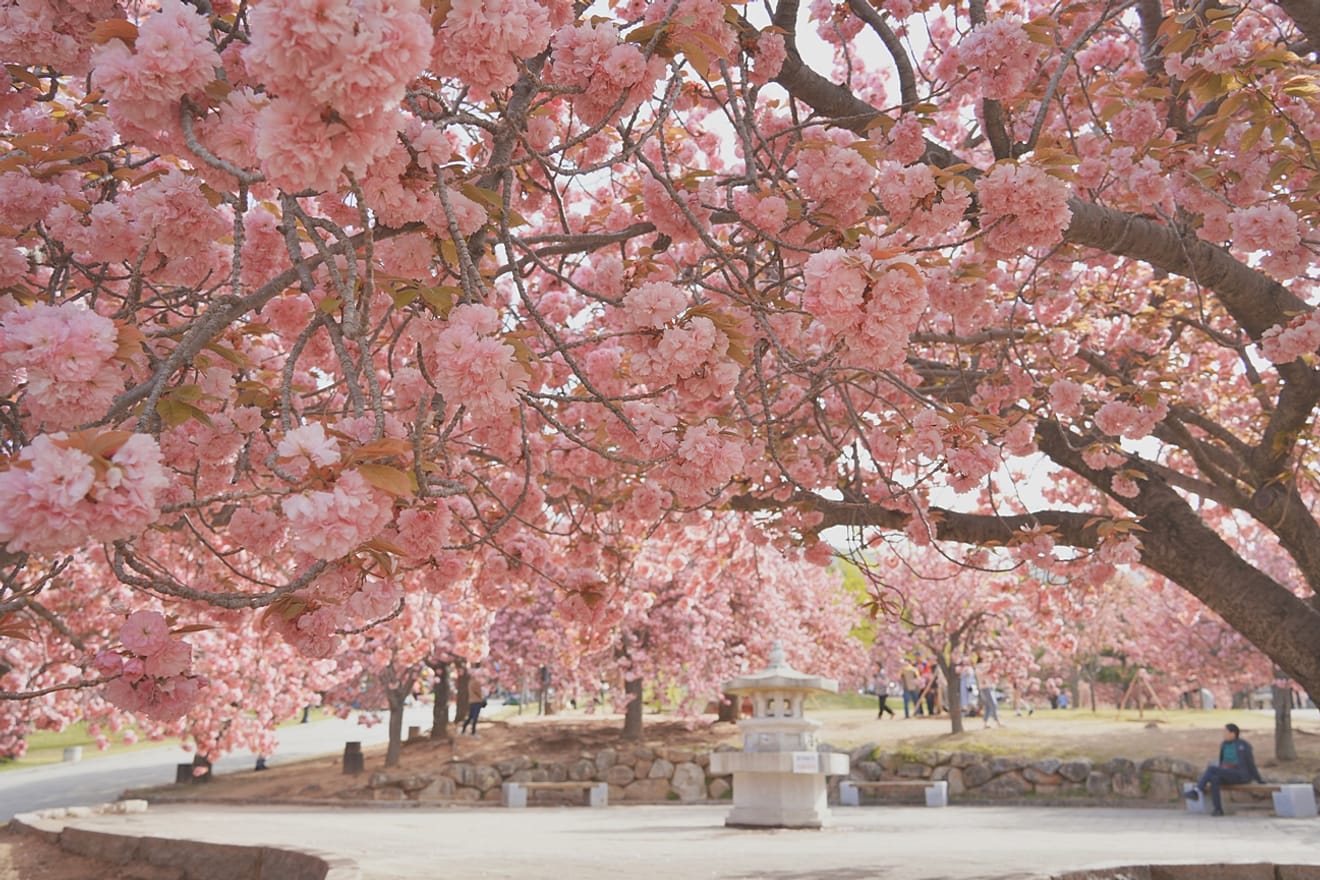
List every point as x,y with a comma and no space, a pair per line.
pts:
773,790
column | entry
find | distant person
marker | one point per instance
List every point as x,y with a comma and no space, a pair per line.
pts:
990,706
882,686
1236,766
967,689
910,680
476,700
933,693
1062,700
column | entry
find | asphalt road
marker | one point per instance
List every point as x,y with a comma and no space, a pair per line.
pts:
96,780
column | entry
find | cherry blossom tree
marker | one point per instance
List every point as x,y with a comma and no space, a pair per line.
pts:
308,307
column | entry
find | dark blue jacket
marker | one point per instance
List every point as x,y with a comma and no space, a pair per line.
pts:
1237,754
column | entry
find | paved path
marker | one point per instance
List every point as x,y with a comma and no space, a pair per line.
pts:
95,780
888,843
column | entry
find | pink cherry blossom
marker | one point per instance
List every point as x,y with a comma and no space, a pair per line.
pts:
65,352
330,524
1022,207
145,632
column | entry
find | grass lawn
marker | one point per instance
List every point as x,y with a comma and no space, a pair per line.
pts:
47,747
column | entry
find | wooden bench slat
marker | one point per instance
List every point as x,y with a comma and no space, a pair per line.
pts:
554,785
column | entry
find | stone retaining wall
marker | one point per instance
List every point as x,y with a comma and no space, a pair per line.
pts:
635,774
646,775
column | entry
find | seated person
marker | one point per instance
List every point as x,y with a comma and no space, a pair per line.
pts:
1236,766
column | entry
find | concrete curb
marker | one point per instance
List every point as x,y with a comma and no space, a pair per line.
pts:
195,860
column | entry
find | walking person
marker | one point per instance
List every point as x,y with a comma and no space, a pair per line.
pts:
476,700
882,686
990,706
1237,765
909,680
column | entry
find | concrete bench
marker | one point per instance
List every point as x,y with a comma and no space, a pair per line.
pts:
937,793
514,794
1292,800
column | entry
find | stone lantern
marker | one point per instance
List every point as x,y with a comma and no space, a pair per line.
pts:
779,777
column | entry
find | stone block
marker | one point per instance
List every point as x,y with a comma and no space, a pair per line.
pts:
485,778
719,788
643,753
889,761
1076,771
510,766
1160,786
555,772
1006,785
913,771
642,768
1048,789
1097,784
1297,872
1038,777
441,789
388,793
604,760
976,775
1212,872
647,791
1046,766
689,782
466,794
619,775
1007,764
414,782
379,780
955,780
461,772
288,864
582,770
941,772
863,753
1124,780
491,795
128,805
963,760
615,792
660,769
205,861
1295,801
114,848
939,757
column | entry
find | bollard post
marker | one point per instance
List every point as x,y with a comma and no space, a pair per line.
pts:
414,731
354,762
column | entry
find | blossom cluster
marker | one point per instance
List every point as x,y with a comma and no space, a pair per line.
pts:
473,367
870,298
151,675
329,524
62,355
609,73
1022,207
61,495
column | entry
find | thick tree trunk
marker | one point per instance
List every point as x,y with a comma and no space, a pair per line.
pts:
1284,747
461,703
953,697
440,712
728,708
632,714
395,699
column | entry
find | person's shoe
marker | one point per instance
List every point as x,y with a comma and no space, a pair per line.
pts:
1217,813
1192,794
